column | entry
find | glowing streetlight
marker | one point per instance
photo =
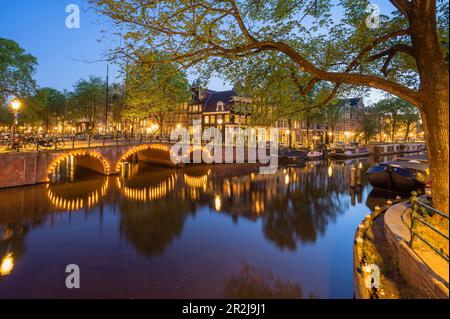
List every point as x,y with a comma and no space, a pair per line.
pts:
15,107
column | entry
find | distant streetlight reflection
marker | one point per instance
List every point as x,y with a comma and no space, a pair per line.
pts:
218,203
7,265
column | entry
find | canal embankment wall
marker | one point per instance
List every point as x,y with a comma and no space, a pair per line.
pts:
422,275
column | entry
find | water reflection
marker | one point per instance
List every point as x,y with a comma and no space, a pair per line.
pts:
201,228
253,283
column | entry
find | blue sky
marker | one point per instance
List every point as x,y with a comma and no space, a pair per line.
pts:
63,54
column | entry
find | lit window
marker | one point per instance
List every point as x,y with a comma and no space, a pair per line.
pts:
206,119
227,118
213,119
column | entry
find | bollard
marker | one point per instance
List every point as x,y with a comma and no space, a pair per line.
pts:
377,210
359,175
353,177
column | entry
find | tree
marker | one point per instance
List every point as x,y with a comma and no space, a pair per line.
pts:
154,91
409,119
369,126
390,110
16,71
405,57
47,105
88,99
398,113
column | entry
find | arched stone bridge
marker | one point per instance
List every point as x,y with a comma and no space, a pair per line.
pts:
27,168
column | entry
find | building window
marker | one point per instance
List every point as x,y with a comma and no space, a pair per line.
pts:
207,119
213,119
227,118
219,107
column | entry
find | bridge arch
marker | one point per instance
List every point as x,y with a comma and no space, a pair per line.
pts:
154,153
88,159
205,154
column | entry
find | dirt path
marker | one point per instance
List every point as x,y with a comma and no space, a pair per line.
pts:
393,286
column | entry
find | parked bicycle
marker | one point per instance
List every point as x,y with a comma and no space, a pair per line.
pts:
49,143
18,143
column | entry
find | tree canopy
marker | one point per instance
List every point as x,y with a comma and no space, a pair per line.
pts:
326,41
16,71
153,91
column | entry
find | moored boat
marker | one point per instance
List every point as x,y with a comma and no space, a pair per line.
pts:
348,152
314,155
401,176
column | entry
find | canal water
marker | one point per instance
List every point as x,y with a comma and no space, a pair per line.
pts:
198,232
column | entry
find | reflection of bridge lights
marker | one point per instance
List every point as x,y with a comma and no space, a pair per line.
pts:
150,193
217,203
286,179
92,199
7,265
196,182
330,171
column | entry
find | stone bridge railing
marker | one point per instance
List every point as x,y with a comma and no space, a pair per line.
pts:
27,168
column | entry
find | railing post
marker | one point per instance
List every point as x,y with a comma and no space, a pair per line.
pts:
104,141
73,142
413,214
89,140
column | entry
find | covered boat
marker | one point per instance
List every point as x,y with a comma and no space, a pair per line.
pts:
400,176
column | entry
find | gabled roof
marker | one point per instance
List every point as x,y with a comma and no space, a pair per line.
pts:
352,102
226,97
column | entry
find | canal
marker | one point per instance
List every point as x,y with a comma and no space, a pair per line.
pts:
198,232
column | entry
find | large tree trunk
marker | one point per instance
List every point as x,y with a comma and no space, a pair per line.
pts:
436,121
434,85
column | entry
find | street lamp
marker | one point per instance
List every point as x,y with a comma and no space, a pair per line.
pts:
15,107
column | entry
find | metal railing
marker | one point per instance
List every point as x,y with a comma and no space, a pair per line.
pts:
72,142
416,204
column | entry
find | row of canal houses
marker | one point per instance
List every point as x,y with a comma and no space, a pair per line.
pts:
215,109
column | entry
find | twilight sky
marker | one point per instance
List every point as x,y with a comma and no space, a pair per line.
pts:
63,54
